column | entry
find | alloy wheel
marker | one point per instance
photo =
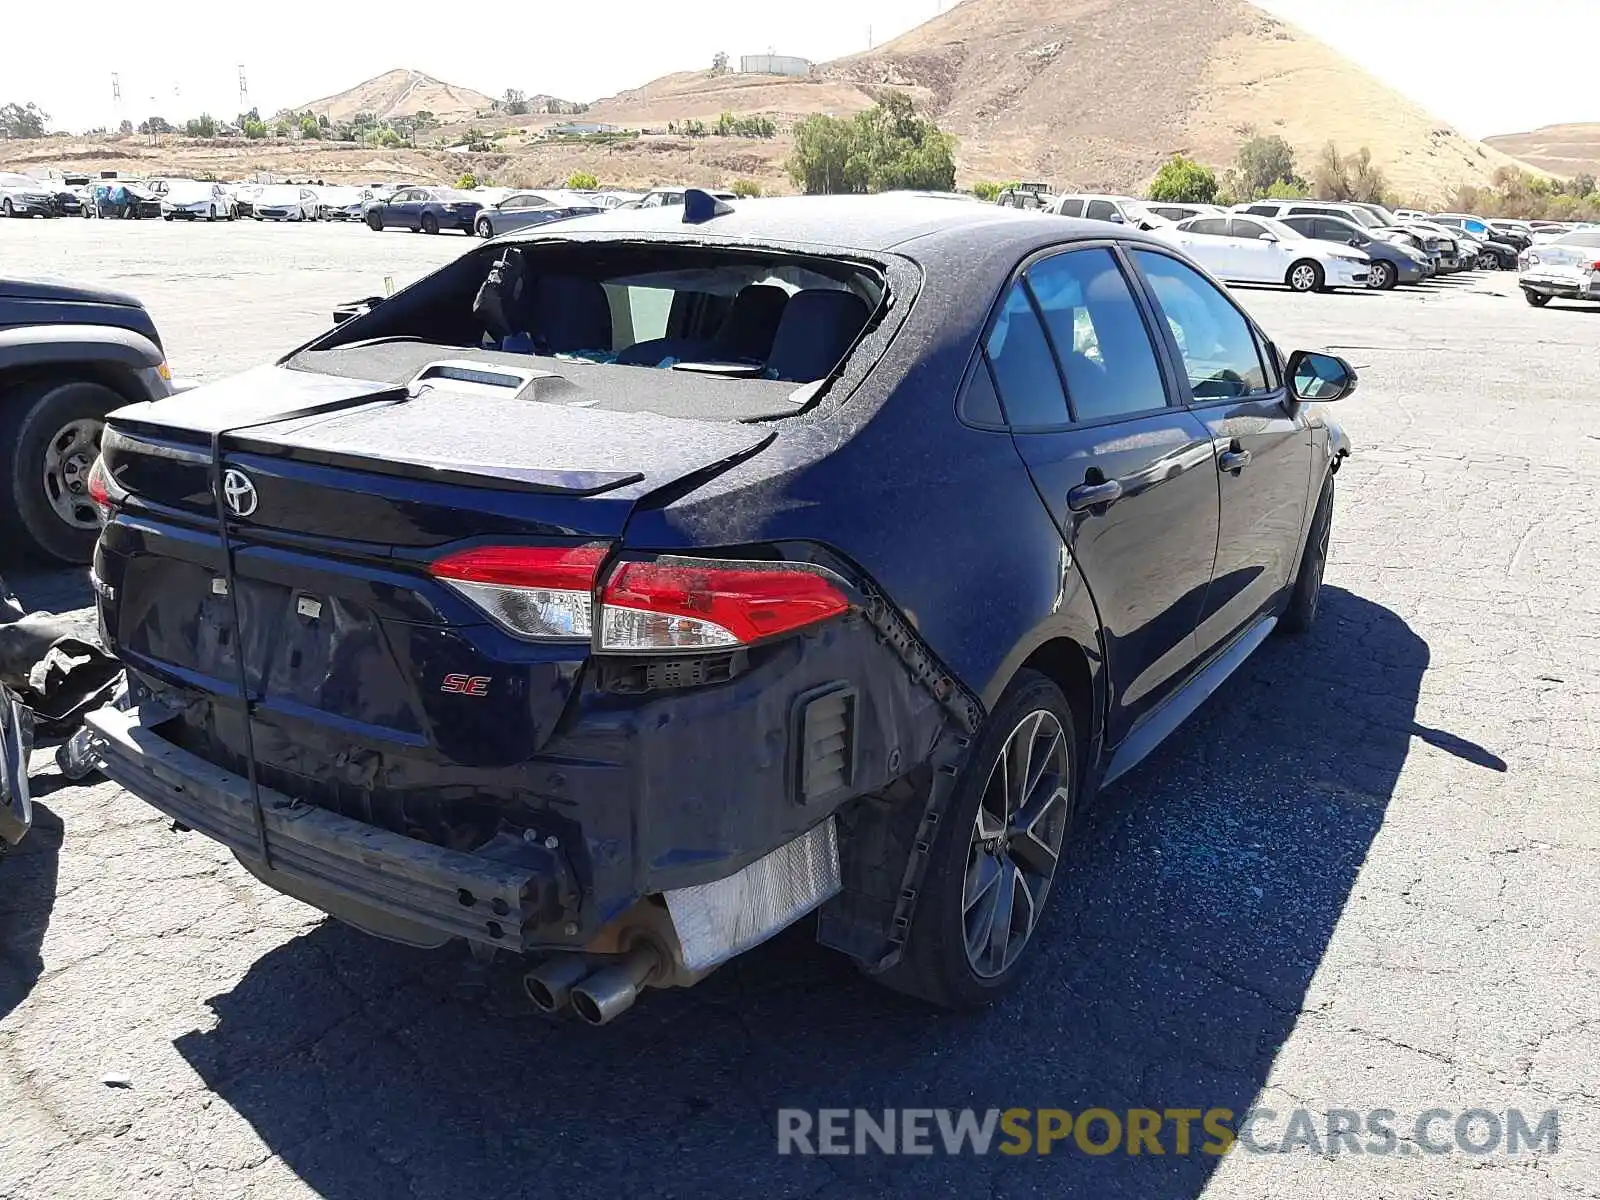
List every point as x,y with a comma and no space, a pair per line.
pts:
1303,278
1379,278
1016,842
68,457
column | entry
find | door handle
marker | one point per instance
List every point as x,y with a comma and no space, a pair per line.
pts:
1094,495
1233,461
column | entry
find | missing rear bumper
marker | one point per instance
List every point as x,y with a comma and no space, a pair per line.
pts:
510,893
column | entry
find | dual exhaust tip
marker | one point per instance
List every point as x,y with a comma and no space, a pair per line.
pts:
597,996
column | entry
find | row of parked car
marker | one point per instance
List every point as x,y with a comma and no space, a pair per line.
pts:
485,212
1316,245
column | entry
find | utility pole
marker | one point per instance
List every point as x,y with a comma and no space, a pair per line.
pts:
116,102
244,91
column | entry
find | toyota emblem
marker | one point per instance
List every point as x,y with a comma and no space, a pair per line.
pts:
238,493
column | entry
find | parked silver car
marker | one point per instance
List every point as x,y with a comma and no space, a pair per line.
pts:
24,196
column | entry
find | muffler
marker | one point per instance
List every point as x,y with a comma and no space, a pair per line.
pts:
549,985
611,991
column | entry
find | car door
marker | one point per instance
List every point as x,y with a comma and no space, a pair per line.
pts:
1259,435
1206,238
1126,473
1257,253
405,210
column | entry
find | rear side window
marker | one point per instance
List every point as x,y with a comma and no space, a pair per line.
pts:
1217,343
1264,210
1209,226
1024,370
1099,334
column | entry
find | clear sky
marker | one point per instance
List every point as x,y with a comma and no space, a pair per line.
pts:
62,54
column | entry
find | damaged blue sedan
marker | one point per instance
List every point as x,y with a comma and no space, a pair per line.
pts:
631,588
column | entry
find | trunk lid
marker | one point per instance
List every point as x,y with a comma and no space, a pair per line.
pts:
338,494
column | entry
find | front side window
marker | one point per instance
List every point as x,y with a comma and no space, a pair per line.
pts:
1263,210
1024,369
1099,334
1072,208
1218,346
1247,229
1100,210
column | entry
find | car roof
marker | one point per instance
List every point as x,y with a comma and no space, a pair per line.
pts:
882,223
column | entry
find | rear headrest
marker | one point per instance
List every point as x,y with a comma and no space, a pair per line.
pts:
752,322
817,328
570,314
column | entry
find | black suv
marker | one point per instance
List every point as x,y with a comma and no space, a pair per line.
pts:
68,356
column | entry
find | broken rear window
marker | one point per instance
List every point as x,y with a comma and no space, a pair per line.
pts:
652,326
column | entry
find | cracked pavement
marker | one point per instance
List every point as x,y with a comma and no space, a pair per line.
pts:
1366,875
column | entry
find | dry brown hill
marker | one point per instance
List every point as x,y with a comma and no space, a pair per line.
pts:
1095,94
1559,149
400,93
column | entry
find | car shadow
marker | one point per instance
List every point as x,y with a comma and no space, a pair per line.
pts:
27,896
1193,908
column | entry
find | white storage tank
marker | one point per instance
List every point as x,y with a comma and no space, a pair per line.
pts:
774,64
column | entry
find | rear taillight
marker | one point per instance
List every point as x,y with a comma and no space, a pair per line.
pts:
104,492
543,592
650,606
549,593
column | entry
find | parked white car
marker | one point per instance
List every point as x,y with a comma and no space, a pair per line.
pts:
1119,210
1565,269
1261,250
286,202
191,200
25,196
340,203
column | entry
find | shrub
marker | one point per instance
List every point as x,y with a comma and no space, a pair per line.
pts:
886,148
467,182
582,181
1183,181
745,187
988,190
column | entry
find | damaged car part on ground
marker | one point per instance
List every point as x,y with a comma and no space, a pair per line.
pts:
49,679
628,589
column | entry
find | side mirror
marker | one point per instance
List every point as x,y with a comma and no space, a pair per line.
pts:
1269,237
1118,219
1320,377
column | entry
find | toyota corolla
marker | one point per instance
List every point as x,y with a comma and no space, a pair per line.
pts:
629,589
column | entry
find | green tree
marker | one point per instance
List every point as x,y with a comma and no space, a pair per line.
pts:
245,118
281,129
886,148
153,125
23,120
719,63
582,181
988,190
1183,181
1583,186
515,103
202,126
125,128
1349,177
1262,162
309,127
745,187
254,128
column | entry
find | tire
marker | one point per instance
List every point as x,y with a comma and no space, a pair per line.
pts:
1383,277
1305,276
956,955
166,216
49,434
211,213
7,208
1535,298
429,223
483,228
375,222
1300,610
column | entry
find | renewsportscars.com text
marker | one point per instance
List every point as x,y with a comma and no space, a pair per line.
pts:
1175,1131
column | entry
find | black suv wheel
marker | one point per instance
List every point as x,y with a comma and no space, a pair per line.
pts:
49,438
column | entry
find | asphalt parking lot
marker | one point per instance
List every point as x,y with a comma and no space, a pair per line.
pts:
1366,876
